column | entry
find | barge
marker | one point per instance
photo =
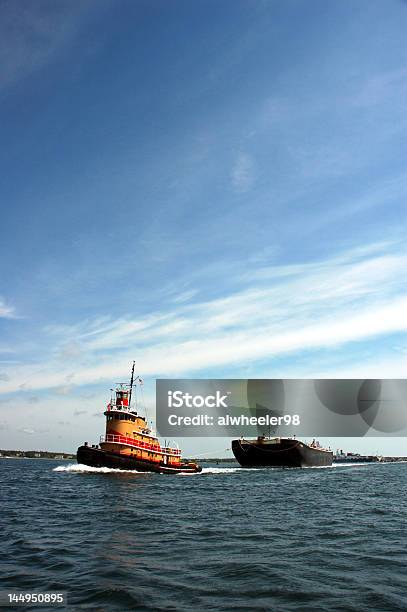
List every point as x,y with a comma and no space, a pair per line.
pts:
280,452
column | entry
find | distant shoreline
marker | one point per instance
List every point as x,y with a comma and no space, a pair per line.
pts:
17,454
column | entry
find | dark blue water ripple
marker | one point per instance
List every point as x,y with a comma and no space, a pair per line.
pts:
318,539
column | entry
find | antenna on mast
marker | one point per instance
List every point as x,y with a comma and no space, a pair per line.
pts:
131,382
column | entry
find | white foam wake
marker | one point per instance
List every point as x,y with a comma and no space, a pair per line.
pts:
80,468
353,464
220,470
212,470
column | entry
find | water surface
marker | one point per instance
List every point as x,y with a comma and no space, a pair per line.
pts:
226,539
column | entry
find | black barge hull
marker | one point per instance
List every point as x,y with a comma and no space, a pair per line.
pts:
96,457
284,453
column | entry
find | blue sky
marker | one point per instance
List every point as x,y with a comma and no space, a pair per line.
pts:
214,189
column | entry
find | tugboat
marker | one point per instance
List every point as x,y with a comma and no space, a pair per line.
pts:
280,452
129,443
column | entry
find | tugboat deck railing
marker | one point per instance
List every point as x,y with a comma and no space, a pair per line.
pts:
156,448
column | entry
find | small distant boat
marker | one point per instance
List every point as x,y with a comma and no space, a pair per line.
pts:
341,457
129,443
280,452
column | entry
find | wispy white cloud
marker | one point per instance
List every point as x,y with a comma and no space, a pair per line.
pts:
356,296
373,105
6,311
242,175
379,87
33,33
184,296
386,193
357,92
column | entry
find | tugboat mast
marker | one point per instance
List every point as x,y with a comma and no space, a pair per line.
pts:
131,382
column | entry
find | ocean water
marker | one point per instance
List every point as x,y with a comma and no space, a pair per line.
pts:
227,539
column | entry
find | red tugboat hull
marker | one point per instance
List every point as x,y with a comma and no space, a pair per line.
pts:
96,457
